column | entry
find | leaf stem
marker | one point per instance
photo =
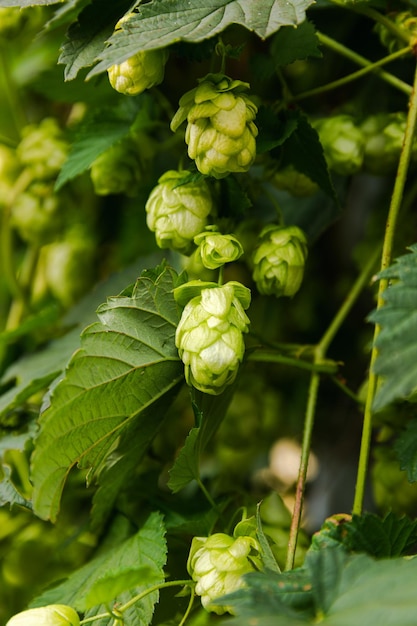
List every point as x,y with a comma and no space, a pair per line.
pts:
139,597
263,356
319,358
386,259
354,75
364,62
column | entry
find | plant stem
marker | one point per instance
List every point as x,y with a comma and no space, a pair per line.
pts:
362,61
386,259
319,357
327,367
189,607
353,76
139,597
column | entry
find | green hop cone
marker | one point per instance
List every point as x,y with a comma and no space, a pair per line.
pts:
279,260
343,144
43,149
209,336
117,170
141,71
9,171
384,136
216,249
177,210
217,564
221,132
37,214
52,615
296,183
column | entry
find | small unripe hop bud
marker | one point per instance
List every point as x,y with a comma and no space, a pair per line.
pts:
343,144
43,149
52,615
177,210
217,564
117,170
141,71
216,249
221,131
279,260
296,183
209,336
384,136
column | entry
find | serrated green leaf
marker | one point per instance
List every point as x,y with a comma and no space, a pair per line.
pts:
209,411
87,37
274,129
389,536
294,44
160,23
9,493
98,133
34,372
143,552
127,367
406,448
303,150
396,344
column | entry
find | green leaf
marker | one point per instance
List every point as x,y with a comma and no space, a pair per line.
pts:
268,559
396,344
303,150
274,129
27,3
209,411
34,372
389,536
98,133
116,385
293,44
87,37
113,575
406,448
9,493
332,589
160,23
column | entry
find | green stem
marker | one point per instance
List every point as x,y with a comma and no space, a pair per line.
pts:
364,62
376,16
262,356
139,597
189,607
319,357
353,76
386,259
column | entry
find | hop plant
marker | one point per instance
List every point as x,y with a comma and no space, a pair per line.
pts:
343,144
43,149
9,170
405,20
177,210
141,71
117,170
209,336
217,564
11,21
221,132
37,214
384,136
216,249
279,260
51,615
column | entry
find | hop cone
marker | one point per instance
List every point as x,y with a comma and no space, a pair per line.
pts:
216,249
343,144
141,71
51,615
217,564
221,131
43,149
407,21
209,336
384,136
117,170
279,260
177,210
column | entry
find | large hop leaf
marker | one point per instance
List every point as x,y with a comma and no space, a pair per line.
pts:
115,390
